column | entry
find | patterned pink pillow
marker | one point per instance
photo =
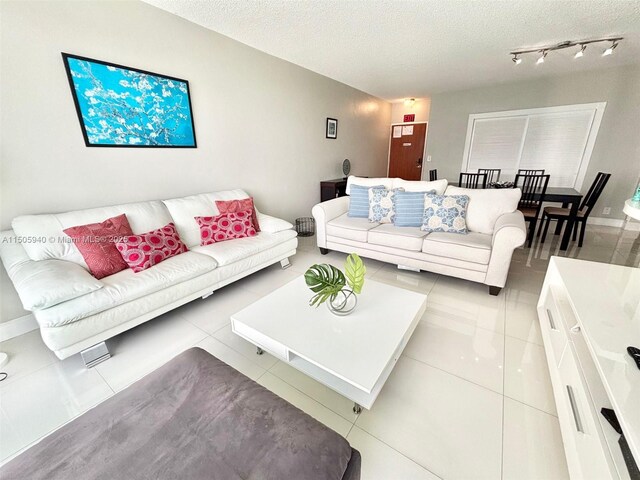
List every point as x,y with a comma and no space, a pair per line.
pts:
232,206
96,243
226,226
148,249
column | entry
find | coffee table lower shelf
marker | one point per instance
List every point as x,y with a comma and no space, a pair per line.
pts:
361,397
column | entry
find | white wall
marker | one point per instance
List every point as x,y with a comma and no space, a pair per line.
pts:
260,121
421,109
617,148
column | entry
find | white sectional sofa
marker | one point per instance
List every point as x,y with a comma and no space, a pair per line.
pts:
496,229
75,311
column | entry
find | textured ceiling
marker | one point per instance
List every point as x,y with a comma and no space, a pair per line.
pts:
395,48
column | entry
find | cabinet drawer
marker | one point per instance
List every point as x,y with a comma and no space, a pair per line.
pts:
551,324
580,427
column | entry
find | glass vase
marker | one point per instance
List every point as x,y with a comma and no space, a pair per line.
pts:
342,303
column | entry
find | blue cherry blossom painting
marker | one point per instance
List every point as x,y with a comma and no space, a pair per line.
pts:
126,107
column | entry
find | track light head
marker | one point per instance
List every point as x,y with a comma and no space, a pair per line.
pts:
517,60
580,53
611,48
541,58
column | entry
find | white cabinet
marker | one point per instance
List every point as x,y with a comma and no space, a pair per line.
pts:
585,343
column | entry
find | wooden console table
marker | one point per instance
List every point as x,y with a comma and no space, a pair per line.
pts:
333,189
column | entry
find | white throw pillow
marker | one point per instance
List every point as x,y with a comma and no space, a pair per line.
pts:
419,186
486,205
368,182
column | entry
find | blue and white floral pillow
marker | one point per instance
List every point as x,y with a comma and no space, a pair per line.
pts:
445,213
382,204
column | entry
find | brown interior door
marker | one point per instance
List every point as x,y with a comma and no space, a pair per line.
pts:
407,150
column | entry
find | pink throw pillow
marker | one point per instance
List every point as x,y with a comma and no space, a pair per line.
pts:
232,206
226,226
96,243
148,249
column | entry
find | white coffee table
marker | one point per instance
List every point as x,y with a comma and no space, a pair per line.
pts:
352,355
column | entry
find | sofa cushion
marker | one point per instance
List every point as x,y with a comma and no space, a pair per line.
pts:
96,243
231,251
486,205
406,238
53,243
226,226
419,186
473,247
184,210
368,182
359,201
409,207
148,249
382,207
445,213
232,206
350,228
126,286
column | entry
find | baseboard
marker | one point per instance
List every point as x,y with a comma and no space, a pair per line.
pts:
17,326
615,222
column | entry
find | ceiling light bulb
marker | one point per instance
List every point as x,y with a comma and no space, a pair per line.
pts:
541,59
516,59
409,102
580,54
610,50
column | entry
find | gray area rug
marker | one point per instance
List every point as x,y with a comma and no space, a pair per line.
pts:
193,418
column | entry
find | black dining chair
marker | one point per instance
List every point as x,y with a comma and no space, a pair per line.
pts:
493,174
433,174
473,180
534,188
562,214
524,171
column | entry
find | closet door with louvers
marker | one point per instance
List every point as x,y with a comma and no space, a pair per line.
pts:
557,143
556,139
497,143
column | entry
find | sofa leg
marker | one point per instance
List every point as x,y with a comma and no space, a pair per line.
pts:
324,251
92,356
494,290
285,263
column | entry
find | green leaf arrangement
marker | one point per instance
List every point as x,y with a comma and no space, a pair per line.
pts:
354,270
326,281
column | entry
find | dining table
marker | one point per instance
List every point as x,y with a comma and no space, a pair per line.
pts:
570,198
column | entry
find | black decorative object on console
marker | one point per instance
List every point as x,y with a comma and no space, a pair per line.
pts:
635,354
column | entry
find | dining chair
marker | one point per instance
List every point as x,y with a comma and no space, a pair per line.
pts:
493,174
433,174
534,188
524,171
473,180
562,214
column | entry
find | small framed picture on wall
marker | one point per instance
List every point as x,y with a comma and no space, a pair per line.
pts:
332,128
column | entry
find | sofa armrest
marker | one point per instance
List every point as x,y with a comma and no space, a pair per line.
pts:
271,224
509,233
43,283
325,212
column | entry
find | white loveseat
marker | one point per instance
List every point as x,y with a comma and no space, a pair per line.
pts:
496,229
75,311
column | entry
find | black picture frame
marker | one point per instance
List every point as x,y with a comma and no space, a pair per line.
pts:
331,128
67,56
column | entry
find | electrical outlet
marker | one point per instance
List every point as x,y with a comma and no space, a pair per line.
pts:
428,158
606,211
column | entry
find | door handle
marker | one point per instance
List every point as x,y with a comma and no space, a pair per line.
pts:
419,163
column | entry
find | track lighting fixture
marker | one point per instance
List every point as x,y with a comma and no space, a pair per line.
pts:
610,50
580,53
582,44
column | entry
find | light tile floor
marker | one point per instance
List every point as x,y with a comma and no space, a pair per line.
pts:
469,399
